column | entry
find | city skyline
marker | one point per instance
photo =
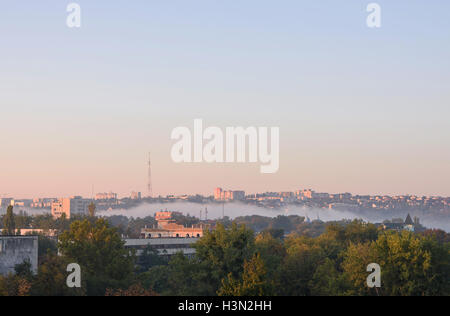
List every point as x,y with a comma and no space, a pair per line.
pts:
87,191
433,210
139,195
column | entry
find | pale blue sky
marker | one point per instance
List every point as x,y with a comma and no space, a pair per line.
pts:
360,110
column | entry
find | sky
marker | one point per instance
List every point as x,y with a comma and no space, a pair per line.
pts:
360,110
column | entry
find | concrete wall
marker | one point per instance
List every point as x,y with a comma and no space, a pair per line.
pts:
15,250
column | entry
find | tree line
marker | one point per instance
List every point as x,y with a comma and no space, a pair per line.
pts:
234,260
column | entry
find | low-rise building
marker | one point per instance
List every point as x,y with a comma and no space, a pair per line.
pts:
164,246
168,228
408,225
16,250
35,231
168,238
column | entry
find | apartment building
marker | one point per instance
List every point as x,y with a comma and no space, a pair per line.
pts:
74,205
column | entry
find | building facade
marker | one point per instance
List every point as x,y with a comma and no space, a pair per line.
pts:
164,246
5,202
75,205
221,195
168,237
168,228
106,196
16,250
34,231
136,195
42,203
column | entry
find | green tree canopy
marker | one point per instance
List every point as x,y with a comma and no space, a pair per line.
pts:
252,283
100,252
223,251
9,224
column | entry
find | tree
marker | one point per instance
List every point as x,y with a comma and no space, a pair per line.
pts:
275,233
92,209
22,220
328,281
9,226
411,265
157,278
224,251
181,277
299,266
133,290
282,222
24,271
51,278
187,277
356,231
13,285
272,252
18,284
61,223
253,281
218,253
99,250
356,258
46,246
150,258
439,235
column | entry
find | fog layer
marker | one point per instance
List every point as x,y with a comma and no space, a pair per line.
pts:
233,210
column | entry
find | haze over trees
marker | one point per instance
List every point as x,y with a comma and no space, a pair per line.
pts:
233,260
237,263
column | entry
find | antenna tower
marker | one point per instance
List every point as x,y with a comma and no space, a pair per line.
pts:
149,186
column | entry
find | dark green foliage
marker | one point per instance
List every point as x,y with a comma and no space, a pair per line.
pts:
46,246
23,270
224,251
100,252
51,278
324,259
150,258
9,224
333,264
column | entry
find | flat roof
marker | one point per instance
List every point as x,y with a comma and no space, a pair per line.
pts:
18,236
160,241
